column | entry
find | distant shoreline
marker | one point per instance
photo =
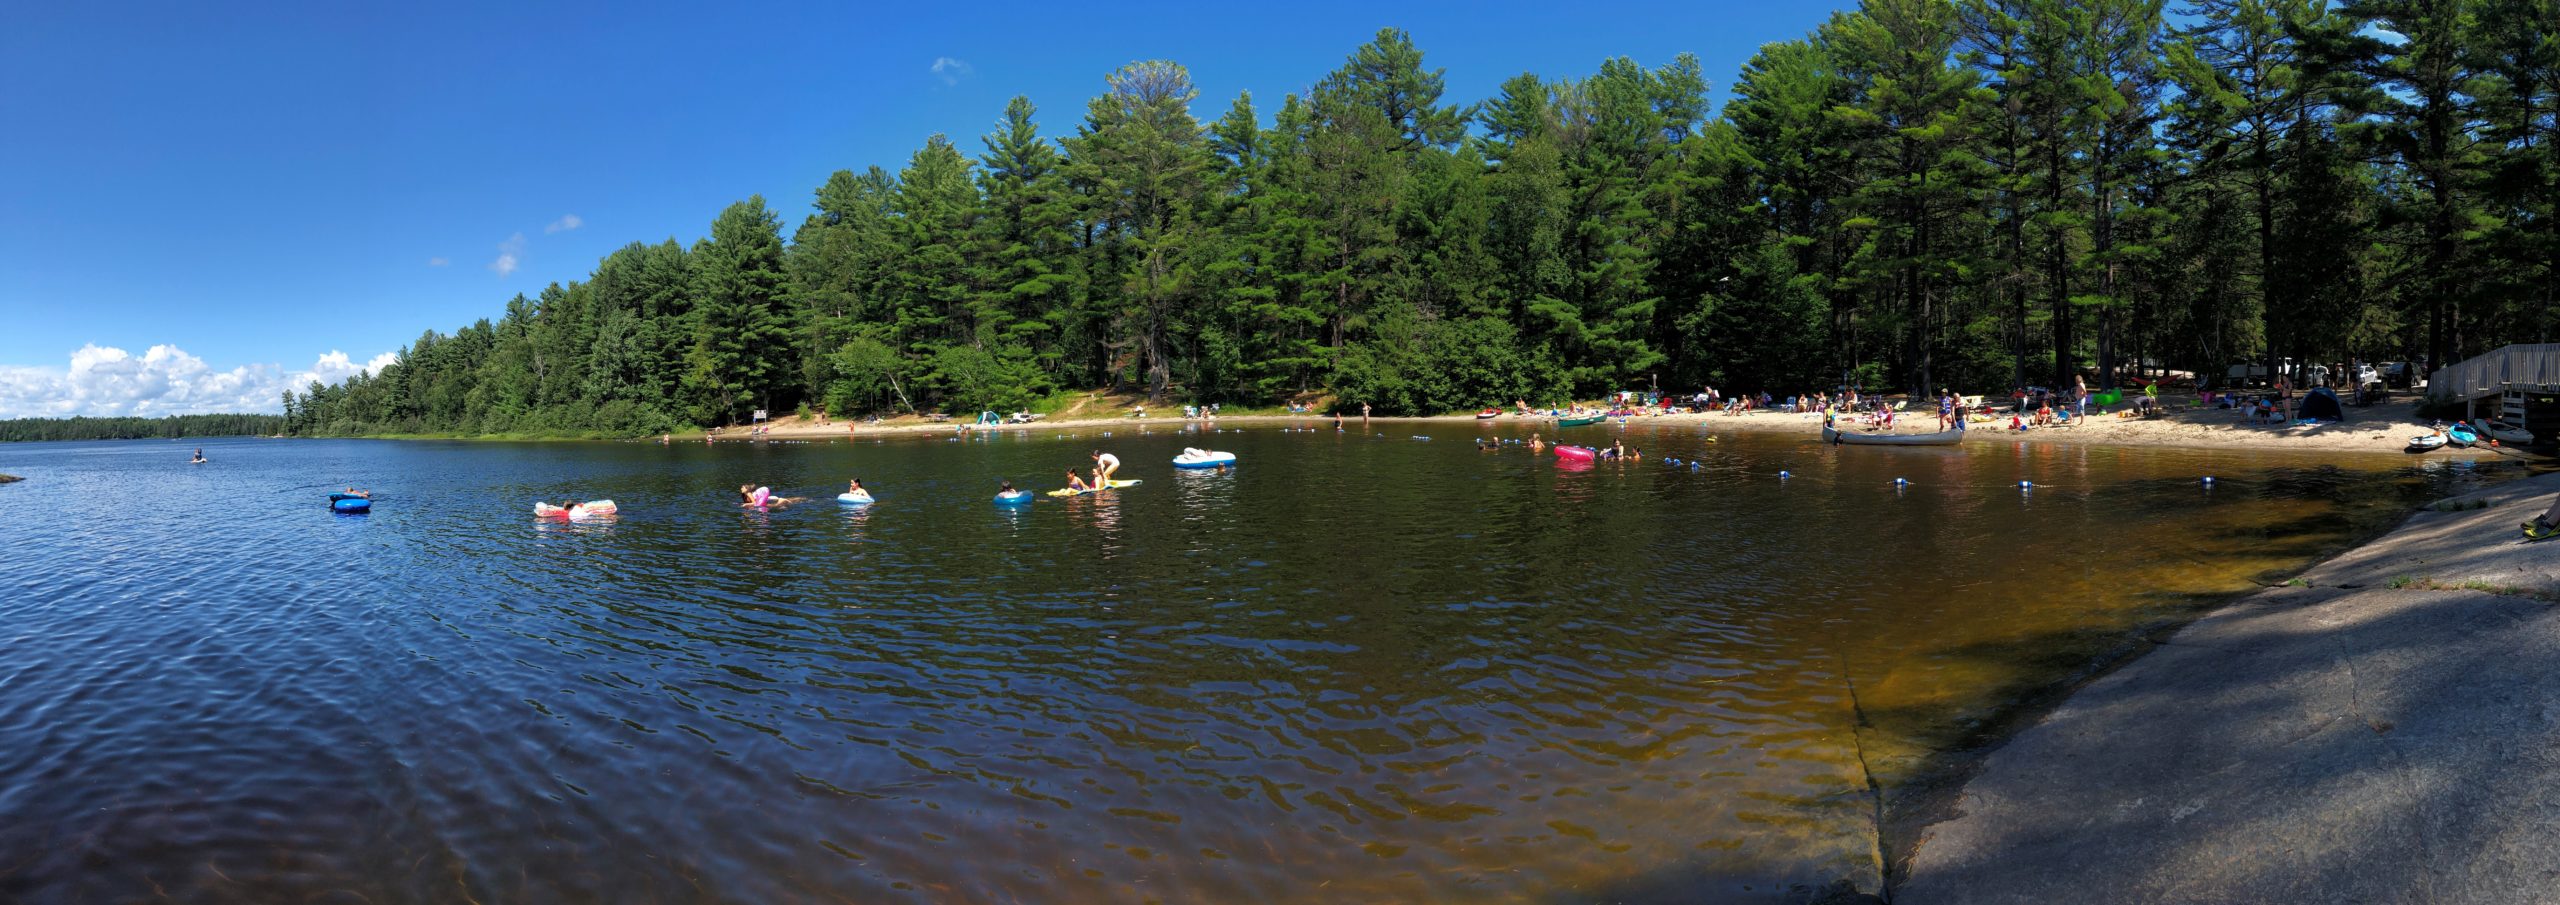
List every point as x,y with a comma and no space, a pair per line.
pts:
2382,428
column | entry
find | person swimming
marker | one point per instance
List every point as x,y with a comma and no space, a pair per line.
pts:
1535,444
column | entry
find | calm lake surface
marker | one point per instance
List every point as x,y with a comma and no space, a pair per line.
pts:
1362,667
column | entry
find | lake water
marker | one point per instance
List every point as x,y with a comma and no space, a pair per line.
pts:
1362,667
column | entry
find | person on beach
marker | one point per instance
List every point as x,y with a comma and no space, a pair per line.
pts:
1104,465
2548,521
2080,391
2284,400
1958,409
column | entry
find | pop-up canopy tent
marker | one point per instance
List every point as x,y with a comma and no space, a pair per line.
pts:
2321,405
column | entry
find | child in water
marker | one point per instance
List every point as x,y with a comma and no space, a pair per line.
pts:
1075,481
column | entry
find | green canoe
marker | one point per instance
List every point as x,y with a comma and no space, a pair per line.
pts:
1578,422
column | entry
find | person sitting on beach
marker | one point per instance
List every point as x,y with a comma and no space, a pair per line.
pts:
2062,418
2044,415
2549,520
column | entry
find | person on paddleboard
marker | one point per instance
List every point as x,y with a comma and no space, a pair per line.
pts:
1075,481
1104,465
199,459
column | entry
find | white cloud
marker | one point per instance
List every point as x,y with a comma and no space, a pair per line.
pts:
164,380
510,254
952,69
564,224
437,262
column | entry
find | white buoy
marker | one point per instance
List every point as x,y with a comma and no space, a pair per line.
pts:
2208,479
1901,481
2026,485
1786,474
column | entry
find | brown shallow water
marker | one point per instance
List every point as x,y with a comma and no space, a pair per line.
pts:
1362,667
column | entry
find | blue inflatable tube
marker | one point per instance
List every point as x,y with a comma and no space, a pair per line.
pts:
1015,498
351,504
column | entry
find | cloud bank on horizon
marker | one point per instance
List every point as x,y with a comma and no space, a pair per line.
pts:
104,381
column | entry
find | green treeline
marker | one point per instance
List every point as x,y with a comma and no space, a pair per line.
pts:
1922,193
171,427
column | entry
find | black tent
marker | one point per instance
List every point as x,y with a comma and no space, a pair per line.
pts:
2320,404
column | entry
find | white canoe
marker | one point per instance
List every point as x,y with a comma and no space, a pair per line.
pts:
2507,433
1941,438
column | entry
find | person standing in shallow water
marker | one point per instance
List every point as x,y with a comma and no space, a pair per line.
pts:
1364,413
1104,465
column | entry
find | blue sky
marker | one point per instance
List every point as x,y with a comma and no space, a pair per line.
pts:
253,188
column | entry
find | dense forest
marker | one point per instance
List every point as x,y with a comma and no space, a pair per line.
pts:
171,427
1979,194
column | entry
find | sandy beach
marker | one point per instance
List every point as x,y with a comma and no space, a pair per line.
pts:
2380,428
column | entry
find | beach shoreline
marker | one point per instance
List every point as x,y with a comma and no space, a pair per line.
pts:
2381,428
2235,755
